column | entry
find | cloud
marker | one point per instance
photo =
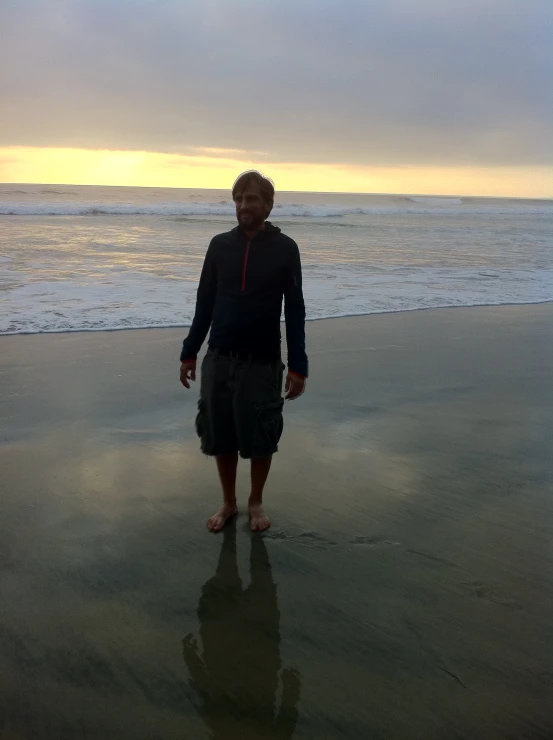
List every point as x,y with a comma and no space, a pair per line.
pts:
406,82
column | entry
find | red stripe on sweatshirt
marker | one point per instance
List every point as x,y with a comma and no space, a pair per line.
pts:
244,266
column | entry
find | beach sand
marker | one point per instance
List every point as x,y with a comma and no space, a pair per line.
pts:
405,589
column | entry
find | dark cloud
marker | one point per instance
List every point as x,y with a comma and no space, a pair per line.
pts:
396,82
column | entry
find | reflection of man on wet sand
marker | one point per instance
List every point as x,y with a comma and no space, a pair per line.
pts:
237,677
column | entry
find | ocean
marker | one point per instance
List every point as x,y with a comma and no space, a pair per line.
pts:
88,258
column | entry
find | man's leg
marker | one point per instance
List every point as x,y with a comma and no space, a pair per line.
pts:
216,429
260,471
226,465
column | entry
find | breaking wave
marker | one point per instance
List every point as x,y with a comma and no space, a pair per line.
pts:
401,204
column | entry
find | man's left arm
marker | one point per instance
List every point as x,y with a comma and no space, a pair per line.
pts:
294,316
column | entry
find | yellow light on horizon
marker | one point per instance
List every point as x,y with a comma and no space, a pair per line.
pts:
52,165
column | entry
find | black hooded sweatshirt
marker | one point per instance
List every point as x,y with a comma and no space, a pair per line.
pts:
240,296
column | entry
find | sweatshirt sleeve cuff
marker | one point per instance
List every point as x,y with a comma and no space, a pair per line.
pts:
292,372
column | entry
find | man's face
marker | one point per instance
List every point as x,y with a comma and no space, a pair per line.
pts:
251,209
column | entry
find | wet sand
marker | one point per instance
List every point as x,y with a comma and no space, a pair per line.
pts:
405,589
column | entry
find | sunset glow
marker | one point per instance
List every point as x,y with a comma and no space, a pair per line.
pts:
218,168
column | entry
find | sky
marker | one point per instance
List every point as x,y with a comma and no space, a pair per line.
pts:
405,96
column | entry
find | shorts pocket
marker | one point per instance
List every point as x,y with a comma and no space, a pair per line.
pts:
268,427
200,421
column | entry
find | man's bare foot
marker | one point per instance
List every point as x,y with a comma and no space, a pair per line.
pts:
258,521
221,516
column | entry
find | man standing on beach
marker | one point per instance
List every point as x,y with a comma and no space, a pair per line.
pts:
246,274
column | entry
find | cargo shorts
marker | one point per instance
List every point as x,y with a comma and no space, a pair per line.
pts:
240,406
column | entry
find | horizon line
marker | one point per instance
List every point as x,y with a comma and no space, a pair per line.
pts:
314,192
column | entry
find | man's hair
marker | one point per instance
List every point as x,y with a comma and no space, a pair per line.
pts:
265,184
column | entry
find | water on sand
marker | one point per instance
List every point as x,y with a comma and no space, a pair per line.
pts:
403,591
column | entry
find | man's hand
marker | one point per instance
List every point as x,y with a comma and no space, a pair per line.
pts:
294,387
187,372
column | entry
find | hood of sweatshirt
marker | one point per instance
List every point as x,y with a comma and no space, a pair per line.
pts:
269,230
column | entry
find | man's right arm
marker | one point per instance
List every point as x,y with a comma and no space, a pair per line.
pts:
204,309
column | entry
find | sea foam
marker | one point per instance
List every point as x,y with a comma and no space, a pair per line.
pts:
411,205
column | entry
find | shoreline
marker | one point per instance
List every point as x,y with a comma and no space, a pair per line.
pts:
308,320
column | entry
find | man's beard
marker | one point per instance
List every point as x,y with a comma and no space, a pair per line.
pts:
250,221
